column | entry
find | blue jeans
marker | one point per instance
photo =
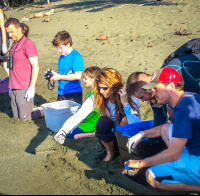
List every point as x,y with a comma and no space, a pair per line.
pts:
74,132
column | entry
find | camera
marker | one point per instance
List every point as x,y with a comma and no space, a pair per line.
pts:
48,76
10,62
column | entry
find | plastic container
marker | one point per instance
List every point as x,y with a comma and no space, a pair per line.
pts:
4,86
56,113
146,148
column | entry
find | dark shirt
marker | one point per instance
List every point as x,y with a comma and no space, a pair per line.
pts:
186,122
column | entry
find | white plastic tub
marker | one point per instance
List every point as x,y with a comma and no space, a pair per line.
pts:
56,113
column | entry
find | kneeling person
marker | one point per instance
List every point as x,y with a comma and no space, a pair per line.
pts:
178,167
86,117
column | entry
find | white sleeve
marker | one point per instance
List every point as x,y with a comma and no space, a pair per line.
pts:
130,114
82,113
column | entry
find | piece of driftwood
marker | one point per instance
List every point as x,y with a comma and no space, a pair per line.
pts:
182,32
38,15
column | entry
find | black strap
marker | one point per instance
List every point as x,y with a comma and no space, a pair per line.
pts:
50,85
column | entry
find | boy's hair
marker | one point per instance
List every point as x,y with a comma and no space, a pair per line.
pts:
62,37
91,71
134,88
135,82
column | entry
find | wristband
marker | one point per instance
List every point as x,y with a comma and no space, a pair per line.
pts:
143,135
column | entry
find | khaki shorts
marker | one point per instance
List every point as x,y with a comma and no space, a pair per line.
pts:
21,109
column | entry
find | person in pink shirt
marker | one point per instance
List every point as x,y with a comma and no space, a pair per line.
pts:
23,70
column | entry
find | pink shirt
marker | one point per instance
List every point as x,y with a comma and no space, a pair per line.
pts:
20,75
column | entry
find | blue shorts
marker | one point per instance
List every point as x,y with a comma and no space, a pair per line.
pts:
74,132
186,170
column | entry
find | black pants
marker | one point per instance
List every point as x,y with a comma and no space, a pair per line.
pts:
76,97
105,131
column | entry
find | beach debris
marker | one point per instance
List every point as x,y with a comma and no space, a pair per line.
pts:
169,24
104,9
198,30
136,36
102,37
150,46
46,20
51,12
182,32
123,5
38,15
24,19
103,43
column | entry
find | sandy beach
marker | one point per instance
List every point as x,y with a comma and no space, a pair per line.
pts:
139,39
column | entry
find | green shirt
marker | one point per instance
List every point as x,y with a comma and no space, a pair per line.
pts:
89,124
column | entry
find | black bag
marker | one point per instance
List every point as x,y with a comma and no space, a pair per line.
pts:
191,47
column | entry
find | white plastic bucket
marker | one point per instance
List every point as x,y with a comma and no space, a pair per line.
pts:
56,113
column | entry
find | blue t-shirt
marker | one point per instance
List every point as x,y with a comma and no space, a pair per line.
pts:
69,64
186,122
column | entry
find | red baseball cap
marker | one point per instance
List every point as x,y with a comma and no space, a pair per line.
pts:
163,75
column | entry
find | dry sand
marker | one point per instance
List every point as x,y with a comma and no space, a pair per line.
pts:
30,161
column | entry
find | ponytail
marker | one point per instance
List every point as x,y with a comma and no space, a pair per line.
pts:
25,29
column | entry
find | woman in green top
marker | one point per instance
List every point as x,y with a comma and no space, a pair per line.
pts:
83,123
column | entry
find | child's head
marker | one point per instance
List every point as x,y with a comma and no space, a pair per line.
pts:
89,75
63,42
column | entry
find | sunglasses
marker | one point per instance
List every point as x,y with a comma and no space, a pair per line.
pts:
103,88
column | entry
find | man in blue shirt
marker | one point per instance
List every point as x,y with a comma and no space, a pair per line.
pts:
178,167
70,67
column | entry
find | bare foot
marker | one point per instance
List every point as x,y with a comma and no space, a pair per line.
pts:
109,157
40,109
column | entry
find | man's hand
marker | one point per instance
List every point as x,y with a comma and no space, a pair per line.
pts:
132,164
123,96
55,76
30,94
60,136
4,48
10,92
133,141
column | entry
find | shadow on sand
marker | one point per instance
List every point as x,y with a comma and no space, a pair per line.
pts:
93,6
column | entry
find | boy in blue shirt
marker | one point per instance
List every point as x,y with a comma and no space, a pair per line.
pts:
70,67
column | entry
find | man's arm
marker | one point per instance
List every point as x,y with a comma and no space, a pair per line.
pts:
35,71
70,77
133,141
173,153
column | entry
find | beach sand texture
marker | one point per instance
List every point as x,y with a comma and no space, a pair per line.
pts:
139,39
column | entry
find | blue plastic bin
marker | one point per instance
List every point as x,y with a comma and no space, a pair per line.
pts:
132,129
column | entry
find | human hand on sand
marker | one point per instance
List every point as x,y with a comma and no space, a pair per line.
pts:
123,96
133,141
60,136
55,76
132,164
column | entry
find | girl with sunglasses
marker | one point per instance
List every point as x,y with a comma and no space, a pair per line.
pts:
116,108
83,123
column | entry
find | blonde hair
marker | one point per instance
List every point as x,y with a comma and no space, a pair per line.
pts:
112,79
